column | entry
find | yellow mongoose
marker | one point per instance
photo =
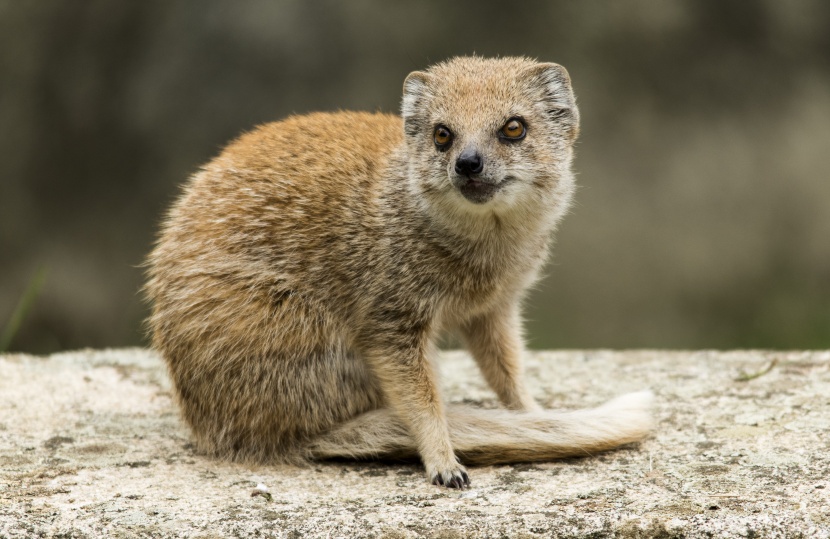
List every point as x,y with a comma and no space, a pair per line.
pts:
300,281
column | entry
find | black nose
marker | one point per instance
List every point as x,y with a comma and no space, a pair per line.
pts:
469,162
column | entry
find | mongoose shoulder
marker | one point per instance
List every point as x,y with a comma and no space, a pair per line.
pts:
301,279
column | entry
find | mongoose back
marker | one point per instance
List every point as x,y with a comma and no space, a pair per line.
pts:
300,281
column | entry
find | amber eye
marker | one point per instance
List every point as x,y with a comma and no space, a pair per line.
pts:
442,137
514,129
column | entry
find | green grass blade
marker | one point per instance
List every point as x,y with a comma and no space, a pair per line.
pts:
22,309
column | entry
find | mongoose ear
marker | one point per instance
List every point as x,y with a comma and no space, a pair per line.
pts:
558,95
415,91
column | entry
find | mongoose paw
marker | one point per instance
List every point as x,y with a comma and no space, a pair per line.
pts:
452,479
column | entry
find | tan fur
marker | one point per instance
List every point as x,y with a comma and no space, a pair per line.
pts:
301,279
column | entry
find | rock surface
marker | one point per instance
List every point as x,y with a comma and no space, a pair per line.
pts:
91,446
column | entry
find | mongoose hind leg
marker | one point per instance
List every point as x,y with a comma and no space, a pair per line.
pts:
261,399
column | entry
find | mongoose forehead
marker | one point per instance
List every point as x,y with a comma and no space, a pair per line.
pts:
471,87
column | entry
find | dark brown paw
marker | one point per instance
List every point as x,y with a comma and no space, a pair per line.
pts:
453,479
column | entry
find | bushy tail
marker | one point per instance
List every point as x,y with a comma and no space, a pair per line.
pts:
483,437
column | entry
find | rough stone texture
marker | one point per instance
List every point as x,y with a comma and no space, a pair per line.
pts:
91,446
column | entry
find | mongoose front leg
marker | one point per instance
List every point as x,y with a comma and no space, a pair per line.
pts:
401,364
494,339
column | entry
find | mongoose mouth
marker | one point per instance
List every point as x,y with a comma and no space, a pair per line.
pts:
479,191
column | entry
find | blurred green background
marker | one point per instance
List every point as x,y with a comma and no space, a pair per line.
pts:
703,216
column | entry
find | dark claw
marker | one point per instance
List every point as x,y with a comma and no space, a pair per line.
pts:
457,480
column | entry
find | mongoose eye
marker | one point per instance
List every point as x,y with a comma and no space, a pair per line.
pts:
442,137
514,129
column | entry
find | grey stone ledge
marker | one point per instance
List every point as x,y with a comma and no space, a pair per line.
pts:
91,445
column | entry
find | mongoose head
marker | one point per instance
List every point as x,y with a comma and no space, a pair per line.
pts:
490,134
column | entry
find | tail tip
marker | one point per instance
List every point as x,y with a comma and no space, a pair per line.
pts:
641,400
635,411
